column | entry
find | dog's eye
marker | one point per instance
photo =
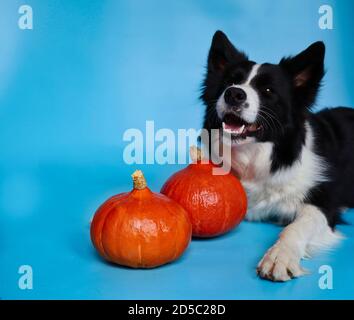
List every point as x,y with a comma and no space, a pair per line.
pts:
268,91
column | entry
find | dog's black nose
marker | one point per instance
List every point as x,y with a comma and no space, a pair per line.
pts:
235,96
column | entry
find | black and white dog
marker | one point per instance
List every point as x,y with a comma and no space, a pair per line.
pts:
296,166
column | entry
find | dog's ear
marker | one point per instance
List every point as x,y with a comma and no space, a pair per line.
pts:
222,52
306,71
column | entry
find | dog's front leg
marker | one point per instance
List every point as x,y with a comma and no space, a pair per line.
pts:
307,232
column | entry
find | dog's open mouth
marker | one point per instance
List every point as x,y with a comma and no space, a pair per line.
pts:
238,127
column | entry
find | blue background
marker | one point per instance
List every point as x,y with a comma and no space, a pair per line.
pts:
88,71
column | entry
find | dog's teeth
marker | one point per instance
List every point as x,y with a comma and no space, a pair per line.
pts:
240,130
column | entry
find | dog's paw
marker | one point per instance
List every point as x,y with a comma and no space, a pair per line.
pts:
280,263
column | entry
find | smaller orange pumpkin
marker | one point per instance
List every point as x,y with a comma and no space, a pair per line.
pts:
215,203
140,229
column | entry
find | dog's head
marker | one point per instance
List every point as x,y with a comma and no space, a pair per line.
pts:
259,102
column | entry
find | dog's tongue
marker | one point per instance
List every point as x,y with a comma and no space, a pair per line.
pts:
234,128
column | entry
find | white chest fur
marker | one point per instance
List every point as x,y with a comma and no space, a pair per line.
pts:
280,193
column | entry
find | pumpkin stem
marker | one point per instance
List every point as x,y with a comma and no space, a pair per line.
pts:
196,153
139,181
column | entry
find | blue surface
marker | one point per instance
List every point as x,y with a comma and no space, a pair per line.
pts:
91,69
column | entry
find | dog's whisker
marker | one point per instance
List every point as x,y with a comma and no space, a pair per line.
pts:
272,118
270,113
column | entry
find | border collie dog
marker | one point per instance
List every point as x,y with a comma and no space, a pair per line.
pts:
295,165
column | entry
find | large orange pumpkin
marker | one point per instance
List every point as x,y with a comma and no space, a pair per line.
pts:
215,203
140,229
